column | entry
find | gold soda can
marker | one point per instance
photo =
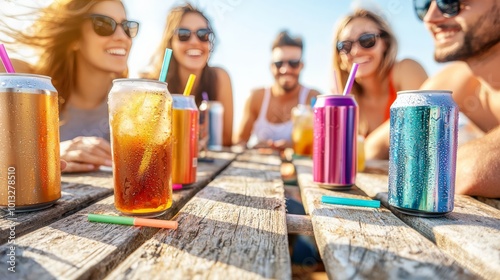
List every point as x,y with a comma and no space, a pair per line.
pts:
185,130
30,174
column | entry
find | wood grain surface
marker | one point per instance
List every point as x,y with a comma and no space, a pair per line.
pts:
77,192
235,228
370,243
470,234
73,248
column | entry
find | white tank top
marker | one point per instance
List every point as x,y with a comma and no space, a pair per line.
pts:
264,130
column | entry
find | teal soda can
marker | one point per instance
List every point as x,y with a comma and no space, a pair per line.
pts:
423,152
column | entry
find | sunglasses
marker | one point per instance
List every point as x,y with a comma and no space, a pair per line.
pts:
184,34
366,41
294,63
449,8
106,26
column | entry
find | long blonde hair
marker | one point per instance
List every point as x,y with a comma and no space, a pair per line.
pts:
386,34
52,35
208,79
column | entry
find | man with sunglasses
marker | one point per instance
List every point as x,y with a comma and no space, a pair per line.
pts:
468,31
267,111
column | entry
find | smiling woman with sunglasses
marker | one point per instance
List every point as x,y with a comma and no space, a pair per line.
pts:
83,45
189,34
365,38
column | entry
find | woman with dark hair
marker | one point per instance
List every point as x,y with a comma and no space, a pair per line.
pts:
367,39
189,34
82,45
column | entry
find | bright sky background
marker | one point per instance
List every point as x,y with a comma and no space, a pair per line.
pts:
245,30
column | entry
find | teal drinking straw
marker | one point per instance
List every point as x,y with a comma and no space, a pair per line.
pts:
166,63
350,201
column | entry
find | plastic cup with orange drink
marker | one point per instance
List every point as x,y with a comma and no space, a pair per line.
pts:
302,132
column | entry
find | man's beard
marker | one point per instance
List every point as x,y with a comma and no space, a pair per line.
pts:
479,39
288,87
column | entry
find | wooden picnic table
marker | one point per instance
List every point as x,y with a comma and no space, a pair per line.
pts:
382,243
232,221
233,225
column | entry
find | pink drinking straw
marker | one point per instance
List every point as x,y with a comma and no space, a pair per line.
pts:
6,60
350,80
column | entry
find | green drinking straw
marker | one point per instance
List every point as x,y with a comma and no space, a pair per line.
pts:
350,201
132,221
165,65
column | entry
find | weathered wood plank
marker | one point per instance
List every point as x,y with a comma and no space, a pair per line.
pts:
299,224
382,167
470,234
77,192
490,201
73,248
233,228
367,243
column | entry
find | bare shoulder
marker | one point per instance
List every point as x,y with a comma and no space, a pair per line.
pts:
20,66
449,76
407,64
456,77
313,93
256,96
408,74
222,75
223,86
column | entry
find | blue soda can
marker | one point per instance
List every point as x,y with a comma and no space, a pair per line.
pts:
423,152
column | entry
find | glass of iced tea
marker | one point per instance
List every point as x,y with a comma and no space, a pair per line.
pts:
140,117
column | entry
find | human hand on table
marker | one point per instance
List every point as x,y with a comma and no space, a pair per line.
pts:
84,154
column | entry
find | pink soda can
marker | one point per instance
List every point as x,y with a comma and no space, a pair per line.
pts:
335,141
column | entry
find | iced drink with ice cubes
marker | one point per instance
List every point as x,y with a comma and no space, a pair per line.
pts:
140,116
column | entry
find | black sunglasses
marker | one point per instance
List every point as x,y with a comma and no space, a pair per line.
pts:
449,8
106,26
294,63
184,34
366,41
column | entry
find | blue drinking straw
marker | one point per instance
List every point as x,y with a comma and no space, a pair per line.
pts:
165,65
350,201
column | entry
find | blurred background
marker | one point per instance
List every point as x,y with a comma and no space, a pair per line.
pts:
245,30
